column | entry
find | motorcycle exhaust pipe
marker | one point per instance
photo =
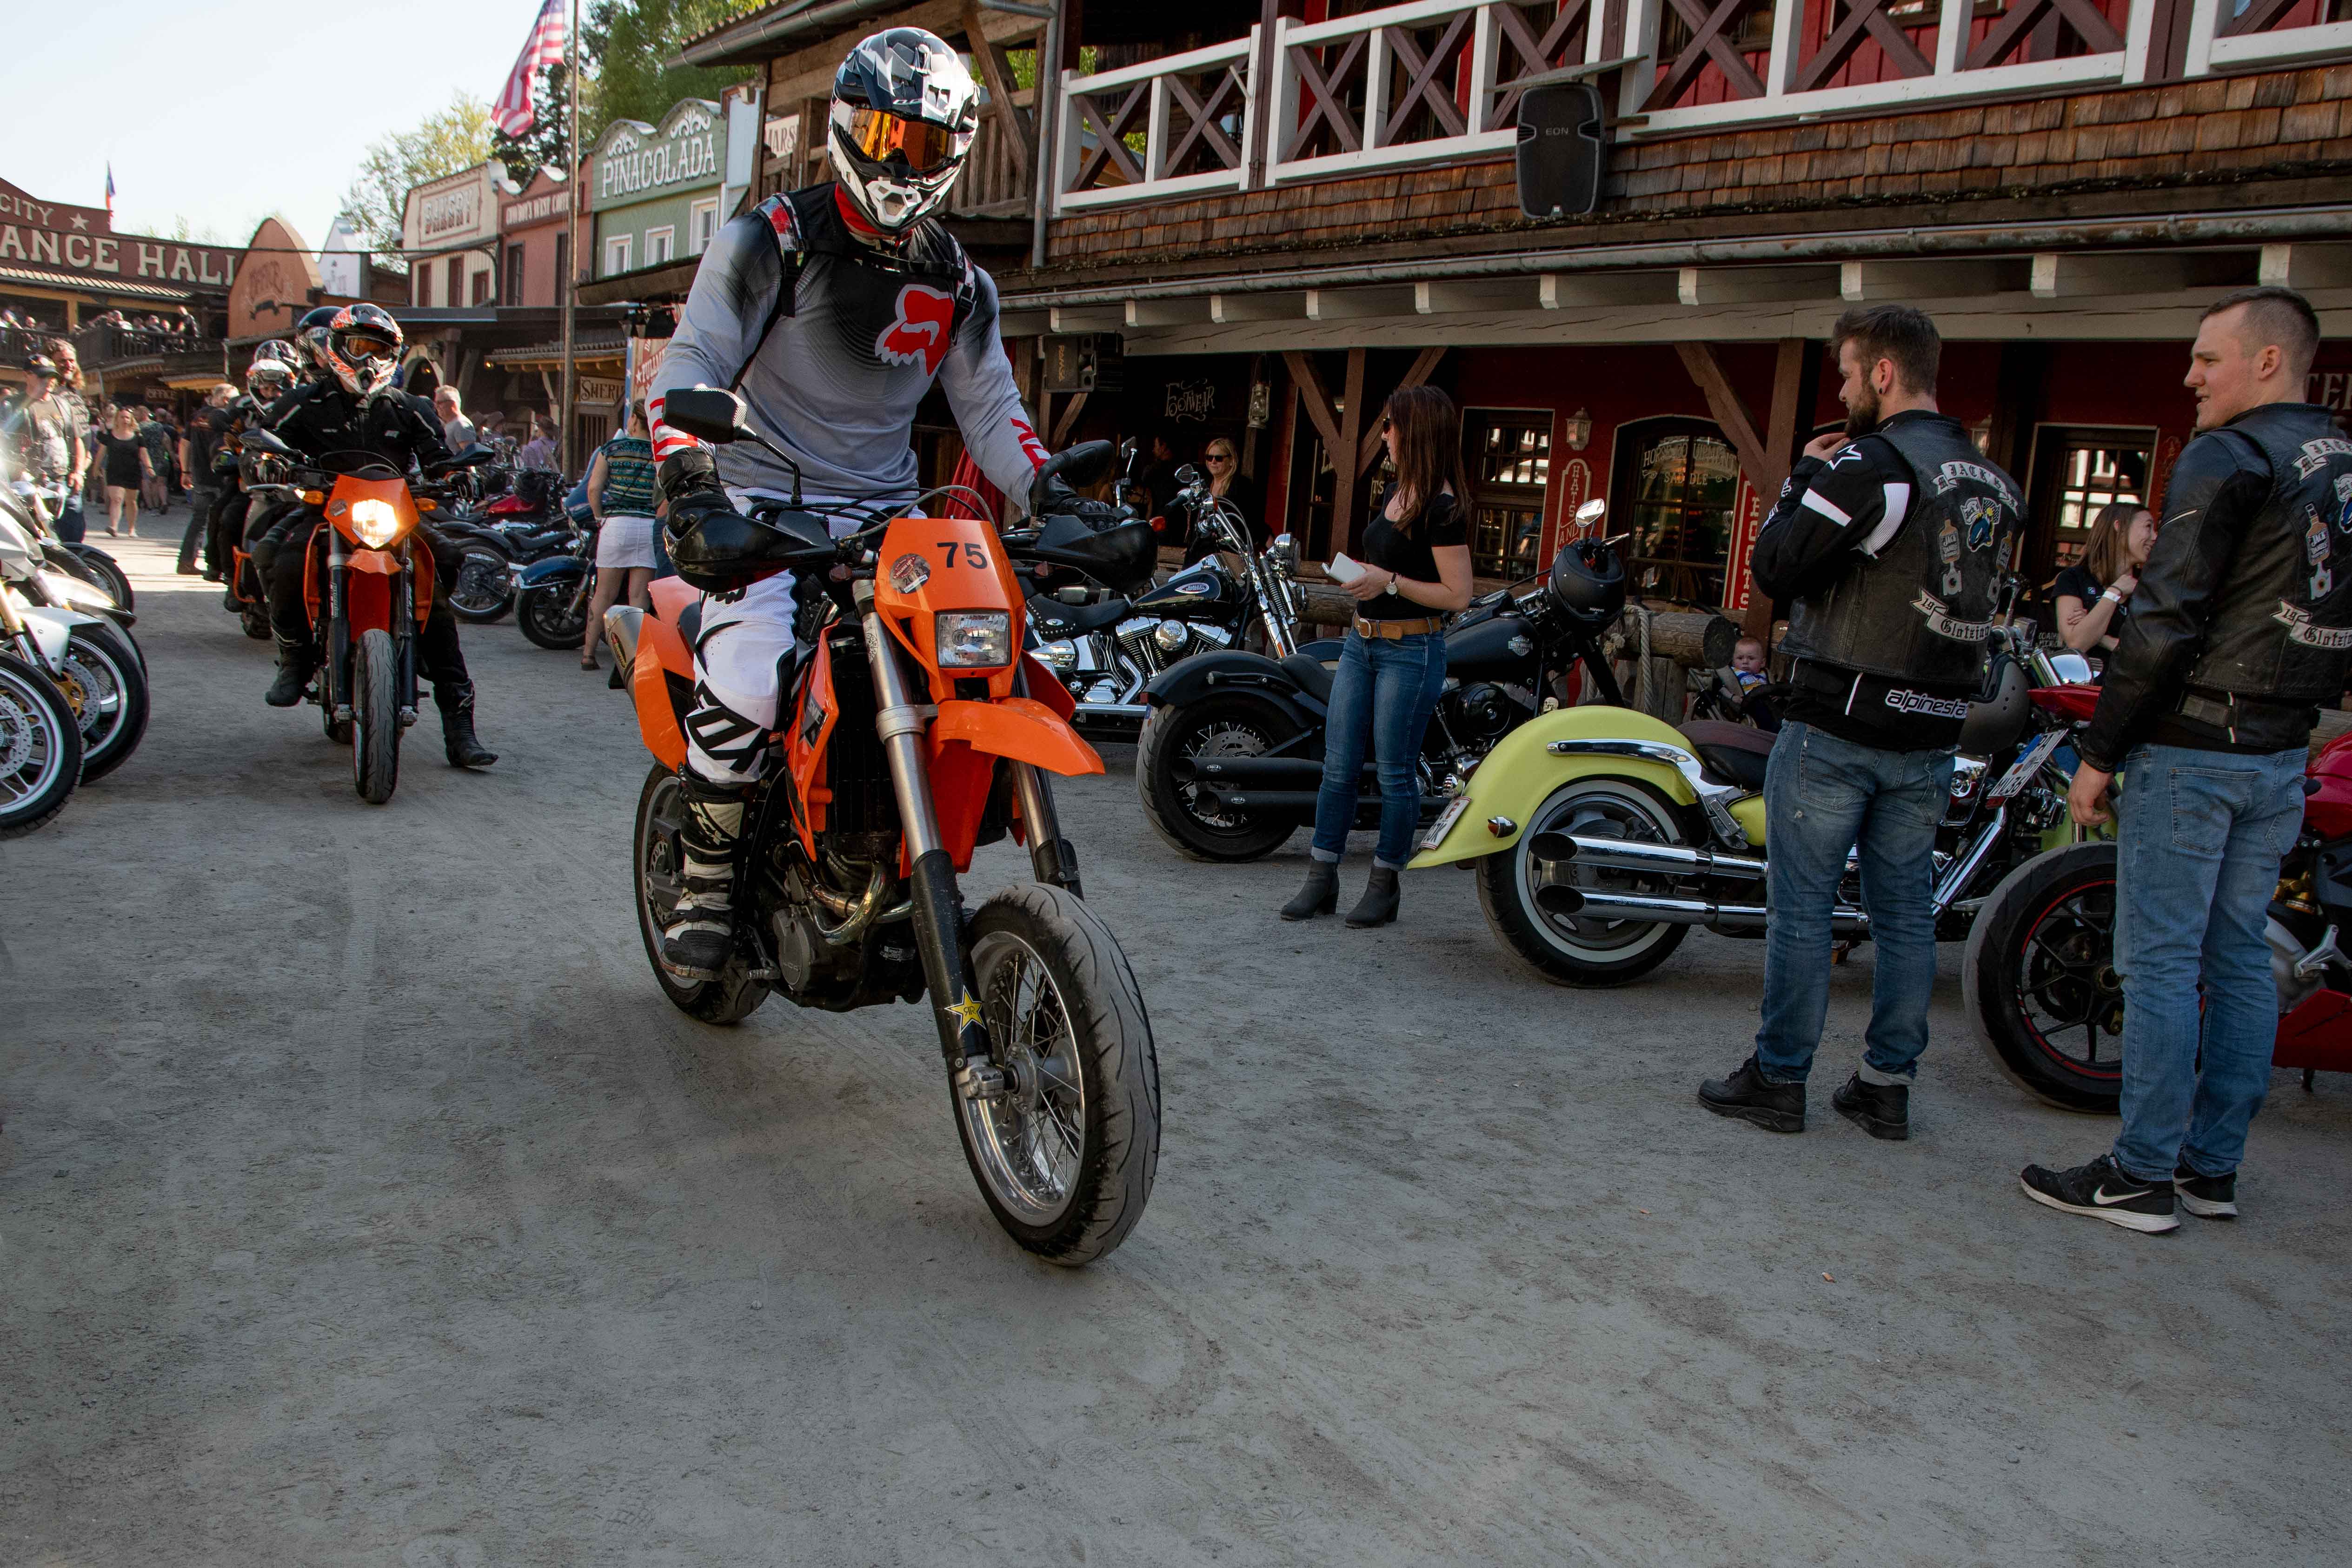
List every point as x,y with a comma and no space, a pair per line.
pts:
1564,902
1299,773
1633,855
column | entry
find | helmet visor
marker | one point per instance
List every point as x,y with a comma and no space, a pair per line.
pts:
358,343
927,148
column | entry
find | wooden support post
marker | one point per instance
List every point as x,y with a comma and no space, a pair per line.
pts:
1351,427
1368,449
1730,413
1076,406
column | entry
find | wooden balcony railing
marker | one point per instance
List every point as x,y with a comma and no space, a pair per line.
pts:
1436,79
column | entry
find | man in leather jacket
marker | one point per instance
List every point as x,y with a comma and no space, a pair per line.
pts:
326,417
833,309
2241,629
1891,545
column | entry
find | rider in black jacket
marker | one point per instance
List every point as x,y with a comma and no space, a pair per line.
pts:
358,410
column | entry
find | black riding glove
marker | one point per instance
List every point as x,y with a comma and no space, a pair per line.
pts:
1058,500
690,483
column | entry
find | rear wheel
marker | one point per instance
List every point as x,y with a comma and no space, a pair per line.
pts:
1191,821
40,748
2040,979
375,716
659,858
1066,1155
107,690
554,616
484,589
1577,949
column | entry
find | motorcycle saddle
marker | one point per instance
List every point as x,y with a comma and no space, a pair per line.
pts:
1312,677
1058,620
1734,753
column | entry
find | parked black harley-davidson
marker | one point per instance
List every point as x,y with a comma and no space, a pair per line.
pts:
1231,755
1105,651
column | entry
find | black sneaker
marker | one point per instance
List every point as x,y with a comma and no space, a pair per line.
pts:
2102,1190
2207,1197
1775,1107
1883,1111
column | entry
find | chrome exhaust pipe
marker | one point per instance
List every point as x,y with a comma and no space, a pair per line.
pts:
1635,854
1564,902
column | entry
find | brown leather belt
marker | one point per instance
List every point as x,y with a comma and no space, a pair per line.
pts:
1419,626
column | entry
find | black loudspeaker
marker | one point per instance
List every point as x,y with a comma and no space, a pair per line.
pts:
1562,151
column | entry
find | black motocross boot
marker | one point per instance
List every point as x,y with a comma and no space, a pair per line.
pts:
297,662
699,936
457,705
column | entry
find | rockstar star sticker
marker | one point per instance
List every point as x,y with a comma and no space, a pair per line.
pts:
968,1010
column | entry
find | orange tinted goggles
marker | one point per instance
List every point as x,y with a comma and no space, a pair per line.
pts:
927,148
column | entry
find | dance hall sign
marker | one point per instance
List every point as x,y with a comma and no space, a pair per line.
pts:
82,240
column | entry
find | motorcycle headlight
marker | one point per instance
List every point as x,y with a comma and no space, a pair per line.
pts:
75,593
1058,655
974,639
375,522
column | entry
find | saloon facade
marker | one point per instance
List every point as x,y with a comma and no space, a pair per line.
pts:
1263,214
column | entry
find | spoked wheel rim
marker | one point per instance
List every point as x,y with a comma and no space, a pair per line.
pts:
2068,993
30,755
481,586
1599,812
1031,1141
93,685
1218,738
661,868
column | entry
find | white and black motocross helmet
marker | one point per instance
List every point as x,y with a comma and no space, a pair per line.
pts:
272,373
903,112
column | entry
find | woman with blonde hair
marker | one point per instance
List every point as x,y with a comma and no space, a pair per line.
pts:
2090,595
620,495
1416,569
127,467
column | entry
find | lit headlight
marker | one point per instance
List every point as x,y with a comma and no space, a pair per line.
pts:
974,639
375,522
64,590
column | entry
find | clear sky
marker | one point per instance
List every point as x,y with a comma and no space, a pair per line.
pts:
225,110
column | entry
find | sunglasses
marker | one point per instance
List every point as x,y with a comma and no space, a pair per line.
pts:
1221,456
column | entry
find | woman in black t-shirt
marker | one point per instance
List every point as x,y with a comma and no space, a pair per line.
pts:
124,455
1416,567
2090,594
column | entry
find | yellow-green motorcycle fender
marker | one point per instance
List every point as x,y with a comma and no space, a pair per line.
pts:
1522,771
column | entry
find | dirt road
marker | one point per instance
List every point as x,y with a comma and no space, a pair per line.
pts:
362,1201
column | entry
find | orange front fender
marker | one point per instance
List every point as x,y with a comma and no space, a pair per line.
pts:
661,653
1021,728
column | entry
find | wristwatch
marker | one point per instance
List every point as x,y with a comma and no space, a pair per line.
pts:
1391,589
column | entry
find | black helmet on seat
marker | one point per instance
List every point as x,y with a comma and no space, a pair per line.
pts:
1587,583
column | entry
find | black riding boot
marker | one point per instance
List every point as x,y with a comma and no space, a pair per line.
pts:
457,705
1379,904
700,937
297,662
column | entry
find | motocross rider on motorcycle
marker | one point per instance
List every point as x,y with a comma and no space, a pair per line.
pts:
273,374
831,310
359,410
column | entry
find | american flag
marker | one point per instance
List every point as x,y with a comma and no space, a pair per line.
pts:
513,113
110,174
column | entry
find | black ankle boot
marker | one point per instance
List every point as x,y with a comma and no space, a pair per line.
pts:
296,664
1745,1094
458,740
1379,904
1320,896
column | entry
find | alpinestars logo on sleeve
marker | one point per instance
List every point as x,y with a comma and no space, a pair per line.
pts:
920,332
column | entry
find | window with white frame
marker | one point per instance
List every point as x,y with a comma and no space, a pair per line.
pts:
616,254
701,226
660,243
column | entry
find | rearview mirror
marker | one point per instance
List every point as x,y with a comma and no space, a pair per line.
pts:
1187,477
1591,512
1077,467
706,412
263,441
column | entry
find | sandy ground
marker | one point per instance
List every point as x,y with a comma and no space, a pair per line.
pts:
362,1201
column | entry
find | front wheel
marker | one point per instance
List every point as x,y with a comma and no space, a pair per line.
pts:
484,591
375,716
659,862
1192,821
40,748
553,614
1577,949
1066,1155
107,690
2040,979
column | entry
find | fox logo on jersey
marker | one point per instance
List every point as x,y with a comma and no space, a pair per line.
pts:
925,317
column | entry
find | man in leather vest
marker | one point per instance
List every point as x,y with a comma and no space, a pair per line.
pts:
2241,629
1891,540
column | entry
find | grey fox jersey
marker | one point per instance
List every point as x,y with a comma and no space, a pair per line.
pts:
833,343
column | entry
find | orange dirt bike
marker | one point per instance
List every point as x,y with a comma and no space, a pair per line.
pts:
915,728
368,588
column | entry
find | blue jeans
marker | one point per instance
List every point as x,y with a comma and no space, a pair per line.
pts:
2198,846
1823,797
71,529
1381,696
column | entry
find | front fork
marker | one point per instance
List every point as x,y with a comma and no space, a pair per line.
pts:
901,723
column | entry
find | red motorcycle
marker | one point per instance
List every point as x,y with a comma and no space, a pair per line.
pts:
2040,978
